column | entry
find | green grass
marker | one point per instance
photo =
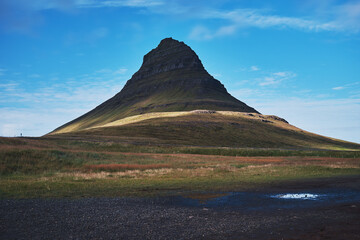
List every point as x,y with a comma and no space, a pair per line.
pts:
221,151
269,152
223,181
31,161
32,168
38,161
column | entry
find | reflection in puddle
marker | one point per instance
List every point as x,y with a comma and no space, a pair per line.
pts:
266,200
304,196
205,197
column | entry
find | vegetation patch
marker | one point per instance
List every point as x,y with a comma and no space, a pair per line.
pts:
123,167
33,168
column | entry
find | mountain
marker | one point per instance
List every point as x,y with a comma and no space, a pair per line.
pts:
173,100
171,78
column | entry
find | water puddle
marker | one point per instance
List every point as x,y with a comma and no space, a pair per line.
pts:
301,196
203,198
266,200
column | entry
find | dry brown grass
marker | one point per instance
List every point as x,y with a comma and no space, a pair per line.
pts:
113,167
109,175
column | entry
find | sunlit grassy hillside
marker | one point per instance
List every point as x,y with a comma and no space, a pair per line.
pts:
211,128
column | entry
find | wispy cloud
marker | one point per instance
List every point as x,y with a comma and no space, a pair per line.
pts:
254,68
333,117
46,108
39,121
242,18
120,71
90,37
118,3
8,87
67,5
338,118
276,78
216,75
23,14
200,32
339,18
346,16
2,71
35,75
353,86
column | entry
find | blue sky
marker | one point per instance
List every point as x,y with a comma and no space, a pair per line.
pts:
296,59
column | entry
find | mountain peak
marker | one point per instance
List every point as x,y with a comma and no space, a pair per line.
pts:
171,78
169,42
170,54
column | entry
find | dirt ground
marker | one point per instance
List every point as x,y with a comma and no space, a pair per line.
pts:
176,217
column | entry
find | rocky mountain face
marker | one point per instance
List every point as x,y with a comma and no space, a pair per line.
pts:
171,78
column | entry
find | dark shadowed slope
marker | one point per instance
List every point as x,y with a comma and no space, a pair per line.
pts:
171,78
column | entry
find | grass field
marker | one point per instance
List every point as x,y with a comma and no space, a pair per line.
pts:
55,167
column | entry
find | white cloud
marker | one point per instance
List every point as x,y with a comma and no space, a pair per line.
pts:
254,68
269,81
8,87
276,78
241,18
200,33
338,18
338,88
216,75
49,108
226,30
118,3
44,109
250,69
281,74
245,93
68,5
104,70
353,86
34,121
22,15
257,18
120,71
2,70
35,75
90,37
346,16
338,118
10,129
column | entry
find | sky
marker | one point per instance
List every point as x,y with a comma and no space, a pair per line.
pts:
297,59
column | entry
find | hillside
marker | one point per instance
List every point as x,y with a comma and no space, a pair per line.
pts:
210,128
